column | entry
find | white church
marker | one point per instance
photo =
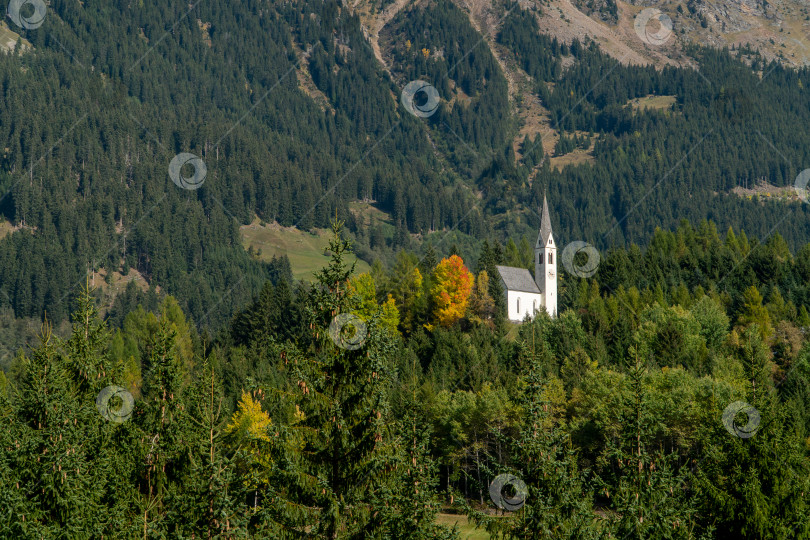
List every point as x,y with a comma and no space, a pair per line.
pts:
526,295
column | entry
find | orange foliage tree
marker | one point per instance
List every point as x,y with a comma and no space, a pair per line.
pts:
451,291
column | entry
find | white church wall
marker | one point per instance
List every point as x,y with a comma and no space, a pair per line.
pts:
529,303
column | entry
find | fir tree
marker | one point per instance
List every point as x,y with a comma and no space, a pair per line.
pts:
649,497
556,504
332,465
212,503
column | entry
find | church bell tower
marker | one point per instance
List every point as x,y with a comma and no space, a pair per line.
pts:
545,262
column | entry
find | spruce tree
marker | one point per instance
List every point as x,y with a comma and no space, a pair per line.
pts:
755,485
555,503
66,453
645,489
410,499
17,514
162,435
331,466
212,501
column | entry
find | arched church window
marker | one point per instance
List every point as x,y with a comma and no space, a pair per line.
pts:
540,258
518,304
550,258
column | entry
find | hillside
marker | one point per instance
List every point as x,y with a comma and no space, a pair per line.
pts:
306,251
533,98
667,399
266,269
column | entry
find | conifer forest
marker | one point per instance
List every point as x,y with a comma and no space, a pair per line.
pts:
257,260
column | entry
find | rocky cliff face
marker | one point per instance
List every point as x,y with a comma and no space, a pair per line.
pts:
779,29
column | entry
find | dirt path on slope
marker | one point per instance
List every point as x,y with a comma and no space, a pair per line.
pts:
374,23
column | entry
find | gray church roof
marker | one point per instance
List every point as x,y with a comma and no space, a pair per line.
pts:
518,279
545,225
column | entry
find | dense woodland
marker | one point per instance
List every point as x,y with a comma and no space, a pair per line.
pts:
92,115
253,419
611,413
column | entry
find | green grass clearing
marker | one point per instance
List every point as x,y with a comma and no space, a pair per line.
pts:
467,530
8,38
658,103
305,250
577,156
368,214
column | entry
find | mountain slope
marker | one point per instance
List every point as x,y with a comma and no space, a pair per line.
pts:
295,110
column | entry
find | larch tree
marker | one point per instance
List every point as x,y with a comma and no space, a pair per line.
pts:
451,290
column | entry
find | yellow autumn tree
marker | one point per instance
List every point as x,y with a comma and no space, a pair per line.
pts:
249,422
365,288
451,290
250,433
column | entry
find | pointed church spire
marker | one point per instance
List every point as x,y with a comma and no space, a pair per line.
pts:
545,225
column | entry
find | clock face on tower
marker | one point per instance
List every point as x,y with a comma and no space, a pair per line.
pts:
551,273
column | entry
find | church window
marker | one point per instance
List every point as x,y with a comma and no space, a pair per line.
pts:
539,258
550,258
518,305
